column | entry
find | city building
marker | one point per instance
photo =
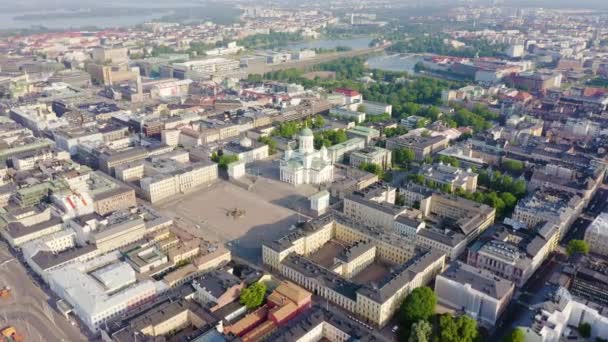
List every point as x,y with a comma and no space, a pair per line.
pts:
422,146
321,324
306,165
450,177
287,301
168,174
203,68
371,155
596,235
367,133
216,289
478,293
376,108
549,205
101,289
337,152
164,317
246,150
373,206
563,313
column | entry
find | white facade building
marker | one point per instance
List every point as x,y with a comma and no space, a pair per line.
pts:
596,235
479,293
306,165
102,289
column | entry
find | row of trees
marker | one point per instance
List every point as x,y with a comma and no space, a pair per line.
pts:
223,159
438,45
497,181
270,40
289,129
479,117
418,322
272,144
329,138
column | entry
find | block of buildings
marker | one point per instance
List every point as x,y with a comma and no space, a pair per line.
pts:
451,223
347,279
513,254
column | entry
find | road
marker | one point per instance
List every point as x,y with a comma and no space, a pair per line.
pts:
28,307
597,205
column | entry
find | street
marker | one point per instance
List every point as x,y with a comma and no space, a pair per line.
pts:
28,308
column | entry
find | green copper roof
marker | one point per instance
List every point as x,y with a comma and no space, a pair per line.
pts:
306,132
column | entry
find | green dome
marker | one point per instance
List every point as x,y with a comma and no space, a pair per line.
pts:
306,132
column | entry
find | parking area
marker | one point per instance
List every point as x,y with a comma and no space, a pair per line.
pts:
28,307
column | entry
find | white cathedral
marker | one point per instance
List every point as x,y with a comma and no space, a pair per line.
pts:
306,166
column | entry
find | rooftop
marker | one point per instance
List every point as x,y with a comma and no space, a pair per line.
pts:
480,280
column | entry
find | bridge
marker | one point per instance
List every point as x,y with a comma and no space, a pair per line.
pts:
307,63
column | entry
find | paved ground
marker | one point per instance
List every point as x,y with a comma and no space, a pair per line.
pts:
265,210
372,273
28,308
326,254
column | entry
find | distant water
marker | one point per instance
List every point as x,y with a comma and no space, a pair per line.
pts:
354,43
50,20
397,62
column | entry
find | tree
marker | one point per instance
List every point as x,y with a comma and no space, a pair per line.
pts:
585,330
404,156
223,159
400,200
461,329
577,246
372,168
272,145
519,188
467,328
420,332
319,122
516,335
253,296
418,305
514,166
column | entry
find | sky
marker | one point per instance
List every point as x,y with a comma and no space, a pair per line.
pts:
66,4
